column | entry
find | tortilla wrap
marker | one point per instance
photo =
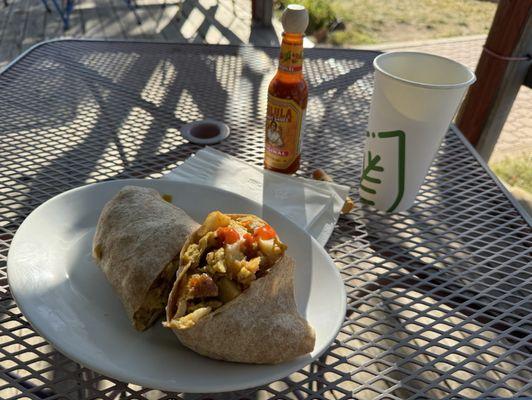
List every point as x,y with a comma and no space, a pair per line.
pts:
260,326
137,243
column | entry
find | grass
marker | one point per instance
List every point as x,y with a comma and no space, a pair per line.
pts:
378,21
515,171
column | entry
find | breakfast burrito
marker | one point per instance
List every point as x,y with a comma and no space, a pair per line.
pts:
233,298
137,243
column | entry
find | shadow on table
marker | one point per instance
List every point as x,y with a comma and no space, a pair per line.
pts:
444,280
130,101
107,104
450,240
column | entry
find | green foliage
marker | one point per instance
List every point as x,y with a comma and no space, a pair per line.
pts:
381,21
320,13
516,171
340,38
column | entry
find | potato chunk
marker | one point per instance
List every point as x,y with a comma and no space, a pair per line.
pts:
246,275
214,221
228,290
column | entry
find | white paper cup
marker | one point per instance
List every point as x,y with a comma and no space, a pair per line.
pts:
414,100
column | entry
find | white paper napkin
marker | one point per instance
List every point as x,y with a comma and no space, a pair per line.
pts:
312,205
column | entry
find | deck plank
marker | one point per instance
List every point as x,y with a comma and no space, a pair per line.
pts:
156,15
53,26
110,26
21,28
5,14
76,25
170,22
25,22
149,24
165,19
116,20
129,22
16,34
34,31
5,18
93,25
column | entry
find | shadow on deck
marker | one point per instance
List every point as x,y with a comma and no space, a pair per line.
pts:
24,23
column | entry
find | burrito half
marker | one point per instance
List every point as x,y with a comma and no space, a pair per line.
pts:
137,243
234,296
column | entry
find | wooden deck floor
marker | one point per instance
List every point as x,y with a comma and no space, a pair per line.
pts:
26,22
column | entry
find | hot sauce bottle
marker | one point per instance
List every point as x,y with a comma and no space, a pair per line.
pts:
287,97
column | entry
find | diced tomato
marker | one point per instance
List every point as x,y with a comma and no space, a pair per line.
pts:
227,235
249,240
265,232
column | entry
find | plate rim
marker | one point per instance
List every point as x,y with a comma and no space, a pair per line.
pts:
160,385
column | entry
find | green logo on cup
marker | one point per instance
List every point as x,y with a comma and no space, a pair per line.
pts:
372,168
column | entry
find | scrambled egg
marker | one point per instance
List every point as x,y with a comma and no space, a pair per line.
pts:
230,254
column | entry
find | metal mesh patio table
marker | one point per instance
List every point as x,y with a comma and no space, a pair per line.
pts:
439,297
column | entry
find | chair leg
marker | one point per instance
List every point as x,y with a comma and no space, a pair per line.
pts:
45,2
69,7
132,5
5,3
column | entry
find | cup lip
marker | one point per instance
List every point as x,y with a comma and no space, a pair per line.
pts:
468,82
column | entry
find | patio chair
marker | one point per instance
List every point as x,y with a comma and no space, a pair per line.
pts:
65,10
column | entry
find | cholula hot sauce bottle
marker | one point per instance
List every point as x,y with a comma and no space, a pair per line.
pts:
287,97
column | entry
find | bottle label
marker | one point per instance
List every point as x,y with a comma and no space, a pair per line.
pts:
291,58
284,122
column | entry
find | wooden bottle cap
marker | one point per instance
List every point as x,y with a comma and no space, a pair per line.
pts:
295,19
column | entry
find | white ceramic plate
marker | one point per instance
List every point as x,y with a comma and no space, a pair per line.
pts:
68,301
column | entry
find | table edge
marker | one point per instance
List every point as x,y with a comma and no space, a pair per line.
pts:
485,166
146,41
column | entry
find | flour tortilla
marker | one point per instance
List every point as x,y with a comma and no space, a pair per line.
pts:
260,326
137,242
